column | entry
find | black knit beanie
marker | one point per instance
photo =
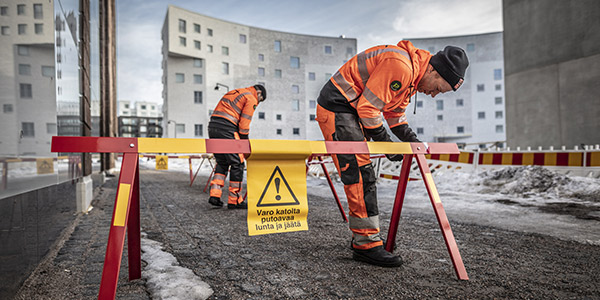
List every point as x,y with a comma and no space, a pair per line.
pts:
451,63
262,89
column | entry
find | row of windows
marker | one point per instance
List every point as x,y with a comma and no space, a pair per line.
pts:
28,129
197,27
180,78
38,11
461,129
481,115
278,117
439,104
25,70
481,87
22,29
199,130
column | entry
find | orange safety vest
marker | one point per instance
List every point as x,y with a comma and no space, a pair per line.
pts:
382,79
237,107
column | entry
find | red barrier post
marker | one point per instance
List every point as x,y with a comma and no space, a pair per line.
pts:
398,202
335,195
134,250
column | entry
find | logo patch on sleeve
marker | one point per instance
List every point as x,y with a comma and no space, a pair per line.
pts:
254,106
395,85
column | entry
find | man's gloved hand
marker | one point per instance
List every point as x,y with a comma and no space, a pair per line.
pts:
394,157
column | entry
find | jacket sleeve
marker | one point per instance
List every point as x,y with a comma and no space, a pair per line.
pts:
381,89
246,115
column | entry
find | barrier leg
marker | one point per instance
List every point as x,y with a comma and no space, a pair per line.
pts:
191,171
4,175
116,237
134,251
208,181
440,214
398,202
194,178
335,195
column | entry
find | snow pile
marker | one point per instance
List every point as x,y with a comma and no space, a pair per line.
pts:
166,279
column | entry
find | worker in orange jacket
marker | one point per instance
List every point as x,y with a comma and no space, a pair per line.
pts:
380,79
231,120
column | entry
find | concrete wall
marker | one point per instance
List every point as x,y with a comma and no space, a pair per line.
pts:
552,59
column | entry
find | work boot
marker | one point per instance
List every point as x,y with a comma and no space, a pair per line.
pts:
242,205
215,201
382,239
377,256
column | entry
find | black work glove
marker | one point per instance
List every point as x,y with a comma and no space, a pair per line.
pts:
243,136
378,134
394,157
405,134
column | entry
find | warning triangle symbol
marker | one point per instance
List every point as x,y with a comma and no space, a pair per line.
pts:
277,192
161,162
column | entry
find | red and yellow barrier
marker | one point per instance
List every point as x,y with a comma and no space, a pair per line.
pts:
558,159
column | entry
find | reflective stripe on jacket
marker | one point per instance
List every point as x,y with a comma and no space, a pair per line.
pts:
382,79
237,107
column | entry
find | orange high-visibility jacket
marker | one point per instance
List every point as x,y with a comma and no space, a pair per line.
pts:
237,107
382,79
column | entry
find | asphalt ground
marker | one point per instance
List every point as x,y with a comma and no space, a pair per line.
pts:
313,264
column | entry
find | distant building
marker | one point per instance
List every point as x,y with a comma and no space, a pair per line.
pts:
204,57
140,119
473,116
552,55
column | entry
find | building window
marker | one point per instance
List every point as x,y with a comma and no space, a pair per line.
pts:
499,114
182,41
39,28
470,47
261,115
312,104
181,26
481,115
23,50
481,87
295,105
328,50
197,79
20,9
225,68
294,62
460,102
27,129
312,76
225,50
143,106
277,73
261,71
420,130
440,117
350,51
48,71
179,77
4,11
242,38
498,100
198,130
209,31
180,128
38,12
499,128
196,28
295,89
278,117
419,103
5,30
296,131
22,29
439,104
312,117
261,57
7,108
25,90
497,74
209,48
197,44
498,87
460,129
277,46
197,63
24,69
278,131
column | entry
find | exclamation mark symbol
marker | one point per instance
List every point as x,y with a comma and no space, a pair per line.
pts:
277,181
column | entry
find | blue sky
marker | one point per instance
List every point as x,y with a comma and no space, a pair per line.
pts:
374,22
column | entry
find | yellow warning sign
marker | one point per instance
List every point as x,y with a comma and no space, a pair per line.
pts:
277,196
45,166
162,162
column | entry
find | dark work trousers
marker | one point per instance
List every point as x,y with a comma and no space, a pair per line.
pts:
232,162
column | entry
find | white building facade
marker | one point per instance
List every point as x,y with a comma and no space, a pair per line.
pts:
204,57
473,116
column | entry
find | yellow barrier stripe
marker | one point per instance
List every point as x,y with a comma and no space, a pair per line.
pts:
463,157
318,147
279,149
550,159
434,192
121,206
389,148
527,159
575,159
159,145
487,159
444,157
507,158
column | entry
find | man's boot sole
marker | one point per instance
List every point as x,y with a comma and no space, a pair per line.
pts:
363,258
